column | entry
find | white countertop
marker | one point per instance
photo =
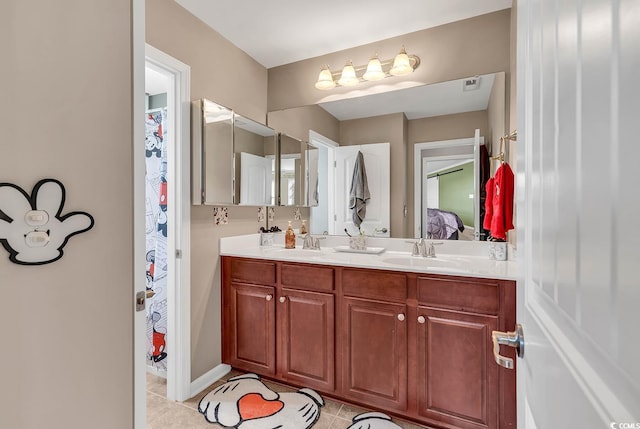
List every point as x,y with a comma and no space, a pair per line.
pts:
459,258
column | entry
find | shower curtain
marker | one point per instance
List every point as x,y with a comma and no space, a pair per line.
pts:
156,237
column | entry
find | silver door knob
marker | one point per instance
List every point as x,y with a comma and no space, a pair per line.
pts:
283,299
421,319
401,317
268,297
512,339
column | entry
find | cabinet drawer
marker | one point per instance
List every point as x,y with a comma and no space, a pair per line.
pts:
253,271
478,296
374,284
307,277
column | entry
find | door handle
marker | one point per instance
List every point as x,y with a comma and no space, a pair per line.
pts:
512,339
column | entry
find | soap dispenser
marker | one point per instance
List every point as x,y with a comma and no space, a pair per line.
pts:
289,238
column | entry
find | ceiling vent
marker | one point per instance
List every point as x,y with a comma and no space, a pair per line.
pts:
471,83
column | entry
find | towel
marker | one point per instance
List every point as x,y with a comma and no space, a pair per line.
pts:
359,194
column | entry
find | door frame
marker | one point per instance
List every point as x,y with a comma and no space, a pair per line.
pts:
178,218
417,173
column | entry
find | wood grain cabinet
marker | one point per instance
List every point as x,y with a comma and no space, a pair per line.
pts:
249,336
414,345
306,326
374,338
458,381
284,328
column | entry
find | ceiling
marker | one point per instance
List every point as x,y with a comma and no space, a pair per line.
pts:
284,31
416,102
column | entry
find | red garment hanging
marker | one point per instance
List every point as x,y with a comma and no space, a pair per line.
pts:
499,216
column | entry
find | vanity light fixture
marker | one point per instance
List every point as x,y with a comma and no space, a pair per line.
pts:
348,76
376,69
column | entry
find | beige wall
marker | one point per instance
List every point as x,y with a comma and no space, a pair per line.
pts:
176,32
67,326
296,122
173,30
448,127
496,116
384,129
461,49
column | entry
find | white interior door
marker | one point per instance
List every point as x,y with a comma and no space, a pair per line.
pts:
433,193
378,167
578,210
256,173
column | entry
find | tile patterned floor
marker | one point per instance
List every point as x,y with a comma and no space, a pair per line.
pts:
165,414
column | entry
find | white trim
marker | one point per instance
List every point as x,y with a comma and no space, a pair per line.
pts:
179,219
316,140
319,138
138,160
417,175
208,378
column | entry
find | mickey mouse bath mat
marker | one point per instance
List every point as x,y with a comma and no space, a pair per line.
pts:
245,402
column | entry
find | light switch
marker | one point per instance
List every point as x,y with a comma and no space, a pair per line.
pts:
36,218
37,239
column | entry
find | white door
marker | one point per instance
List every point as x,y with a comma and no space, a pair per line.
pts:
256,173
377,164
578,212
433,193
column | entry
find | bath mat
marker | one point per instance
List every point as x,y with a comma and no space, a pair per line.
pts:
245,402
373,420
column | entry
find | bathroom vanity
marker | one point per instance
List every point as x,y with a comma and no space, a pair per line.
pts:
398,333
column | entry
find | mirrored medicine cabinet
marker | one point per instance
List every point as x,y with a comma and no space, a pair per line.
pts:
238,161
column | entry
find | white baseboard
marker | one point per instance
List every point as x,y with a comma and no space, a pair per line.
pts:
208,378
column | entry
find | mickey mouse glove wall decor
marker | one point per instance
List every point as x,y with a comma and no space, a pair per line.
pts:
32,227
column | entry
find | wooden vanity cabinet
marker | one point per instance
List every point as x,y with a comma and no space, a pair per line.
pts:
374,338
249,329
458,381
305,315
283,328
414,345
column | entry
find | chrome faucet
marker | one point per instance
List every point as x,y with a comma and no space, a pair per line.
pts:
311,242
420,248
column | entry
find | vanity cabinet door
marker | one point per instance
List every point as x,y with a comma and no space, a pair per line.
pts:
249,328
306,354
374,341
457,380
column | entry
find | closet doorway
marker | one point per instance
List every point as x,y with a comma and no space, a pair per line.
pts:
166,339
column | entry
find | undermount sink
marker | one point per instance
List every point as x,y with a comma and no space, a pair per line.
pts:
294,253
418,261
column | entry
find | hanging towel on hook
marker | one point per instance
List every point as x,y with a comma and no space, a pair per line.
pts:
359,194
499,204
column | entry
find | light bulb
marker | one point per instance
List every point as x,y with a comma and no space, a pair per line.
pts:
401,64
325,79
374,70
348,76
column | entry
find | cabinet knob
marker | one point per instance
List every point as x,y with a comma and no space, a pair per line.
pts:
283,299
401,317
421,319
268,297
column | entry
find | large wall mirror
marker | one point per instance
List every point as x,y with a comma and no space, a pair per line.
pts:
440,114
212,152
298,172
255,151
238,161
